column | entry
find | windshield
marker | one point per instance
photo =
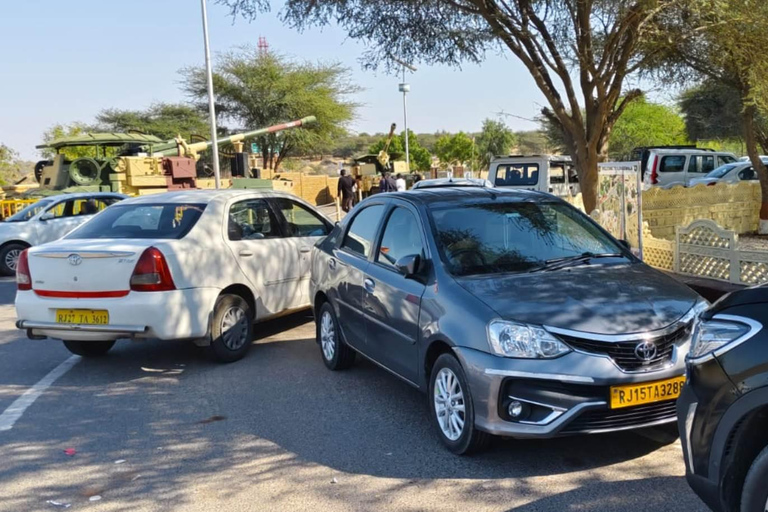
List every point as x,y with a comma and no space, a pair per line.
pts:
721,171
517,175
500,237
30,211
164,221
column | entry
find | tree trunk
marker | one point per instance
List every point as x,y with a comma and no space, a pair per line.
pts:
586,161
762,172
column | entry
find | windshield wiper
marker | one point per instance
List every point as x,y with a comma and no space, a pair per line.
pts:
558,263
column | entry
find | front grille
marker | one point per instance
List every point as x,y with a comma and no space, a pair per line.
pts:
612,419
623,352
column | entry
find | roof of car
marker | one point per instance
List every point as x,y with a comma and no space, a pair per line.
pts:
204,196
696,151
468,195
82,195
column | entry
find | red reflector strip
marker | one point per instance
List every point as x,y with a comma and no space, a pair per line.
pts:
82,295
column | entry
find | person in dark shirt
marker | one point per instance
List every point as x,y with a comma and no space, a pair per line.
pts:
346,190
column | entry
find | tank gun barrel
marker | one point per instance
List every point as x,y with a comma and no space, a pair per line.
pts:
180,147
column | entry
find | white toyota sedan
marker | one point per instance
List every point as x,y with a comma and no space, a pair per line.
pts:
46,220
197,265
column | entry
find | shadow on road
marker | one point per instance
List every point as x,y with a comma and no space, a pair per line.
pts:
178,418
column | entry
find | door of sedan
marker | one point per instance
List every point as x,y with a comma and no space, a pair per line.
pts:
347,266
393,301
267,258
303,228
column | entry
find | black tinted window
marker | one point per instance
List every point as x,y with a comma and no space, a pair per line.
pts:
141,221
514,237
359,238
402,237
672,164
517,175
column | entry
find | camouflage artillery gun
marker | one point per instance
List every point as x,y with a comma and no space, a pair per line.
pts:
128,162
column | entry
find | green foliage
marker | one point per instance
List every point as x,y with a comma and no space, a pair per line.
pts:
8,164
163,120
421,160
454,149
495,139
58,131
645,124
255,90
533,142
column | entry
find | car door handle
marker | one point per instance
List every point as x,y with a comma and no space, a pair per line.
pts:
369,285
332,264
305,249
245,254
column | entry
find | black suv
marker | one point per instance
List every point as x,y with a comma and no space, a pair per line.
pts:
723,410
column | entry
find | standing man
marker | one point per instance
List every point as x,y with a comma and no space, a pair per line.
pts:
400,183
346,190
385,184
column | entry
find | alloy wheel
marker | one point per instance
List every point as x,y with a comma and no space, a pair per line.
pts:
450,407
12,258
327,336
234,328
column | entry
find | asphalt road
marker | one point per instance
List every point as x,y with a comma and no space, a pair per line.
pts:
277,431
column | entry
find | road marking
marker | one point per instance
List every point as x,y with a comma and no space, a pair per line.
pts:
17,408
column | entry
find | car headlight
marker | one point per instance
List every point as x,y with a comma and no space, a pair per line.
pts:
510,339
712,335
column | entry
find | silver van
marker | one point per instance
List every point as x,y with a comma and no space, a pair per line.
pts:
670,167
546,173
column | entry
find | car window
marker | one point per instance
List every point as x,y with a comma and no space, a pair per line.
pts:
30,211
672,163
721,171
726,159
359,237
502,237
160,221
747,174
300,220
517,175
402,237
252,219
556,174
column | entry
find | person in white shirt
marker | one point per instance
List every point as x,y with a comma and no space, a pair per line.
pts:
400,182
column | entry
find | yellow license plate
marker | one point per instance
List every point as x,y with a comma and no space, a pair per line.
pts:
82,316
646,393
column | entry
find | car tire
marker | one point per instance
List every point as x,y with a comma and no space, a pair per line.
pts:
450,394
9,257
89,348
336,354
231,329
754,494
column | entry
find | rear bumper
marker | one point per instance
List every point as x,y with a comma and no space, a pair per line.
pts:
177,314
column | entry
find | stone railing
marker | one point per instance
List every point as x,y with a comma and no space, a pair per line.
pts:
704,249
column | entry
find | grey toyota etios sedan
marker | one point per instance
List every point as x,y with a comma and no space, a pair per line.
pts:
517,313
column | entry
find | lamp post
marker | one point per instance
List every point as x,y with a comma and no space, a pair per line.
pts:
405,88
211,105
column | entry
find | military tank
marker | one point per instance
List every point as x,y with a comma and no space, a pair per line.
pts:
127,162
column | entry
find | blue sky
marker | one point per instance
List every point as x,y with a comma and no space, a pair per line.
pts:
64,61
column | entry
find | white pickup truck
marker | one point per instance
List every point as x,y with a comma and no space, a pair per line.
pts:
546,173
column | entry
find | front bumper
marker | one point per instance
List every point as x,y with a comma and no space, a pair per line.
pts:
177,314
570,394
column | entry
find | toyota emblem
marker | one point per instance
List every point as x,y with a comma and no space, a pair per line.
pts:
75,259
645,351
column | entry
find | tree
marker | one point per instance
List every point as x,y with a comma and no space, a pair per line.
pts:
642,123
495,139
256,89
454,149
163,120
729,49
578,52
420,158
11,168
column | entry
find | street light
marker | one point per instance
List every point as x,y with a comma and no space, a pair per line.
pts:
211,105
405,88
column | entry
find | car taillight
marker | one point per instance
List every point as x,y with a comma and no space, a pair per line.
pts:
152,273
654,173
23,276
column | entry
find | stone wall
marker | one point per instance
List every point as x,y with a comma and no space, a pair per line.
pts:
733,207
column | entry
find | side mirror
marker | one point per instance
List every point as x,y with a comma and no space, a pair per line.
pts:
625,244
408,265
46,216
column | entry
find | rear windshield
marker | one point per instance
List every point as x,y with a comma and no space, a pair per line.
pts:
721,171
517,175
168,221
